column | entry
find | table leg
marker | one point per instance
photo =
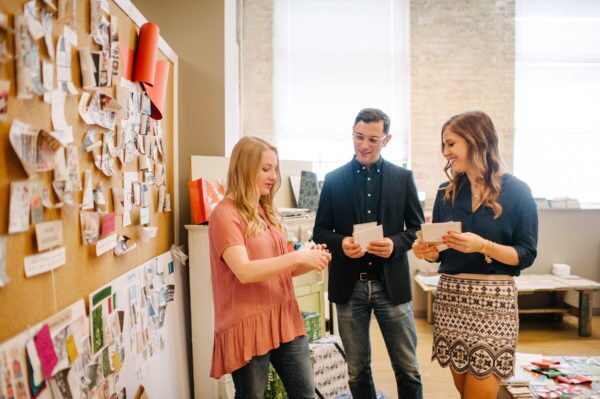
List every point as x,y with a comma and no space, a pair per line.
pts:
585,313
430,307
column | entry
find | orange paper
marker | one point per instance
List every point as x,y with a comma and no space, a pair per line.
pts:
145,58
126,60
159,90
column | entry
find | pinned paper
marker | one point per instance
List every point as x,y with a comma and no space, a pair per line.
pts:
90,227
167,203
88,70
47,202
49,234
4,54
23,139
108,224
71,346
63,66
126,58
44,262
99,199
45,350
116,361
145,60
158,92
88,192
4,93
106,244
37,209
124,246
47,18
20,204
144,216
3,276
29,79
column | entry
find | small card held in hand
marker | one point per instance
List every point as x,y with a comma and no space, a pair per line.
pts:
433,232
366,232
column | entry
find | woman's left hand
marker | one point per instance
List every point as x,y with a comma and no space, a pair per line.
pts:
464,242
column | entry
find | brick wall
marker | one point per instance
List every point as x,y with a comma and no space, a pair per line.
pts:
462,58
257,68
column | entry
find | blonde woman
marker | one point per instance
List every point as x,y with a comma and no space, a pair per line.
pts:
475,310
257,319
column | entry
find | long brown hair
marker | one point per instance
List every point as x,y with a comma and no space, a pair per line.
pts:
478,130
242,183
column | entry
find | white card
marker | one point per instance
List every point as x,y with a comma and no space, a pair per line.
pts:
366,235
433,232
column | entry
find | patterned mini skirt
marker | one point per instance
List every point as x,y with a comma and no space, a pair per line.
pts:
476,323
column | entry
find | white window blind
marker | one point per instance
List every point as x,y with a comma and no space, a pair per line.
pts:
331,59
557,97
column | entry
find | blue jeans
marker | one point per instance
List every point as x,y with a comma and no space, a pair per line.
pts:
291,361
398,329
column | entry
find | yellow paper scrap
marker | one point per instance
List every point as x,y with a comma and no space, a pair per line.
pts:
71,348
116,361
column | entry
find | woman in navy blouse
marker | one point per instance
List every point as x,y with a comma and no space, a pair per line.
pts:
475,310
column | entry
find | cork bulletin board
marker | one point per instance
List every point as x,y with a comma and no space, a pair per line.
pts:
25,301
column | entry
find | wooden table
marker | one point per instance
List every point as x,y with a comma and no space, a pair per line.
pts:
530,283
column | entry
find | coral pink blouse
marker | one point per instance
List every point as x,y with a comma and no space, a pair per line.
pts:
250,319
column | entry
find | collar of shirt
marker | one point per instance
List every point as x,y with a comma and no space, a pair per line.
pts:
360,168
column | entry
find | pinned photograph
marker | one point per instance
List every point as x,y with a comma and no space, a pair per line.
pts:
124,245
29,76
90,227
20,204
4,93
5,56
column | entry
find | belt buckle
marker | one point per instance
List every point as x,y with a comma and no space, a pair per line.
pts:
363,276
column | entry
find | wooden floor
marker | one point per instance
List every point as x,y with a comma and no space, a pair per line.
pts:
538,334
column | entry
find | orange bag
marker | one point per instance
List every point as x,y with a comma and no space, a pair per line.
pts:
204,197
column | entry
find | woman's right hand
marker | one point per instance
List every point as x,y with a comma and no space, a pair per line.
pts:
425,251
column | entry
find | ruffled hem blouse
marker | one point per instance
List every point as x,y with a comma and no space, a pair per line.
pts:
250,319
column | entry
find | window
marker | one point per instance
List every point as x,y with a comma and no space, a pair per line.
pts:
332,58
557,97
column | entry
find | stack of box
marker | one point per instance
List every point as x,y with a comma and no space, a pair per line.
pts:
312,322
329,366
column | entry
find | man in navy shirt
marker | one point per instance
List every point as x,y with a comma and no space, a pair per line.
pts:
375,279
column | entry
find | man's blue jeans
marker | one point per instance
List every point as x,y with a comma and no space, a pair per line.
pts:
397,326
291,361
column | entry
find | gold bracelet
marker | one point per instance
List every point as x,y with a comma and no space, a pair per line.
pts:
487,257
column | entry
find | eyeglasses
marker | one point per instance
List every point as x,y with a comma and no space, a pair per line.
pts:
373,140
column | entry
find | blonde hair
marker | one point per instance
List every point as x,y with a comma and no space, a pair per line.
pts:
242,184
479,132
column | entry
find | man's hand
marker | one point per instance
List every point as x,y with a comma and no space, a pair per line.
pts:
352,249
383,248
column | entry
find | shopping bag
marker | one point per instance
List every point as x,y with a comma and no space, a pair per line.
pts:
204,197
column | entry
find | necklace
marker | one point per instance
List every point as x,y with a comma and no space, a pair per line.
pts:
476,196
